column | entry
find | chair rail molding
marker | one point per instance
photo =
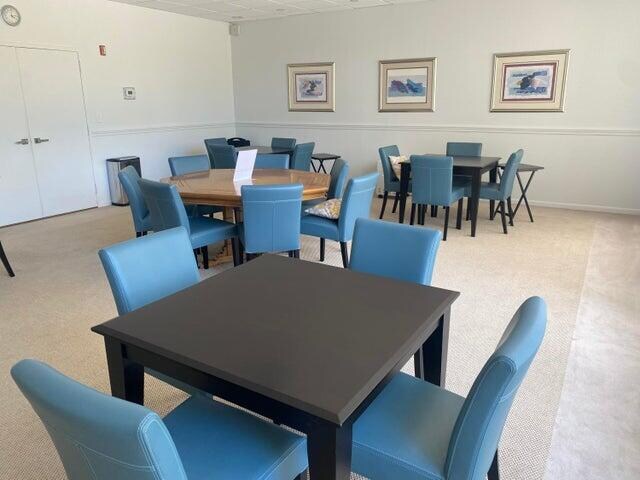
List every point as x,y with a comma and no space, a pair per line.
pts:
159,129
445,128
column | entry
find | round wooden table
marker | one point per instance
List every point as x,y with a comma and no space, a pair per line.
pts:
216,187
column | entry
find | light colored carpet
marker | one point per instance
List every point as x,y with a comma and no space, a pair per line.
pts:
60,292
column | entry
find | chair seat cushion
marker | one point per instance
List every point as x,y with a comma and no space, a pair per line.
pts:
490,191
205,231
319,227
461,187
327,209
217,441
394,186
404,433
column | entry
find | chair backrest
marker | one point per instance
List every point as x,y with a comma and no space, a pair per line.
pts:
165,205
279,142
509,173
464,149
432,179
98,436
479,425
129,179
411,256
339,174
188,164
387,171
356,203
301,158
280,160
222,156
213,141
271,217
146,269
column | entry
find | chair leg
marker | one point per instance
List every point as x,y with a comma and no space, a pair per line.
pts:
5,262
434,211
322,242
205,257
138,234
504,217
459,214
510,211
235,251
468,216
494,469
296,253
345,254
384,203
446,223
395,203
413,213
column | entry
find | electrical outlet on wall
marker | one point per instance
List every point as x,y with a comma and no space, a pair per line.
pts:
129,93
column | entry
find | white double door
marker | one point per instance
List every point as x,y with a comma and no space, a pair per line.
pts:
45,159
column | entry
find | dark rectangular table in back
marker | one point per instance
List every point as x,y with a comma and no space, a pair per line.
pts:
305,344
473,167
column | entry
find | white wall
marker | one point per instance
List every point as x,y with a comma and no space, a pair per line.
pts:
591,153
179,65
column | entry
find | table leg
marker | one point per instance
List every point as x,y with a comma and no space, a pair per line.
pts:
523,196
433,353
475,200
322,167
329,451
493,178
313,166
225,254
127,378
405,169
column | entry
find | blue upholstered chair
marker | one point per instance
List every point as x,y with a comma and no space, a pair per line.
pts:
222,156
167,211
411,256
301,158
356,203
280,160
192,164
141,218
463,149
391,181
189,164
5,262
213,141
416,430
339,174
104,438
501,192
284,143
433,185
144,270
271,219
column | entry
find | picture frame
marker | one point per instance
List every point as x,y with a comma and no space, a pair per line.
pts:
529,81
407,85
311,87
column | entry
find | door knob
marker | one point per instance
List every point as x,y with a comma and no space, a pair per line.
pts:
40,140
23,141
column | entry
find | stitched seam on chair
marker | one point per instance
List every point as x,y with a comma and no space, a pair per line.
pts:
432,257
396,460
484,429
119,286
142,436
86,459
85,447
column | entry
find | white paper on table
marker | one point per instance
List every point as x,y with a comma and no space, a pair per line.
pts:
237,185
244,165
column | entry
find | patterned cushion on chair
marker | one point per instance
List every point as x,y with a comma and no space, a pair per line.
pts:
328,209
395,163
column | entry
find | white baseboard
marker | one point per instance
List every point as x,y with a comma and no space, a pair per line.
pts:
585,208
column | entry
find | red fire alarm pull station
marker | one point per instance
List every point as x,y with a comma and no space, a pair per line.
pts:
103,50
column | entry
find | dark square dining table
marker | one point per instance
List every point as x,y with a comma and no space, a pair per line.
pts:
473,167
304,344
266,149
